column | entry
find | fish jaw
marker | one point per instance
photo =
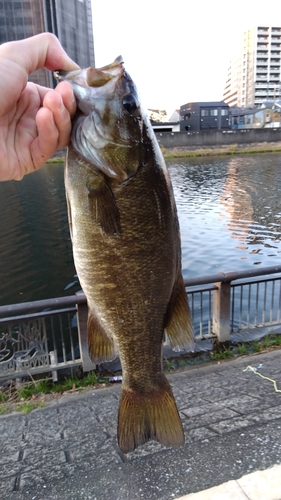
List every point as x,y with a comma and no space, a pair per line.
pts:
108,131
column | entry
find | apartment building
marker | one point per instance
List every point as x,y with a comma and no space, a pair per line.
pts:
213,115
69,20
254,74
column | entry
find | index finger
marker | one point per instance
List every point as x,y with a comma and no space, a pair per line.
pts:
40,51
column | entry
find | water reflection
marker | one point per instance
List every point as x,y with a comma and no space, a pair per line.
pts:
229,211
236,204
35,249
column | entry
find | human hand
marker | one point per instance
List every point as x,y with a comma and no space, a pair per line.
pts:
34,121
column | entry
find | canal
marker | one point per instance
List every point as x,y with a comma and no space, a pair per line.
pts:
229,210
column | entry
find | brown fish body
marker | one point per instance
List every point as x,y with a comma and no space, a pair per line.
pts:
126,247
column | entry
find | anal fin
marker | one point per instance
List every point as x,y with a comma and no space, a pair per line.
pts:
101,346
179,327
145,416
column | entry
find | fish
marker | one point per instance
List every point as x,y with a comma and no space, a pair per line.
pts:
127,251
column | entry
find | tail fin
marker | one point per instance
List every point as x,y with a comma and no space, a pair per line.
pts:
149,415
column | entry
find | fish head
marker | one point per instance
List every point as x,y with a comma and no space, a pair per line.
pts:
108,129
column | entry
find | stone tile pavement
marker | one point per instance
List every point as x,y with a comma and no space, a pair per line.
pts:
68,450
260,485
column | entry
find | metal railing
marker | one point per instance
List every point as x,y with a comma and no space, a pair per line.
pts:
51,335
226,303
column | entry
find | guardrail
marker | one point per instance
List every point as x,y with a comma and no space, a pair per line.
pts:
51,335
225,303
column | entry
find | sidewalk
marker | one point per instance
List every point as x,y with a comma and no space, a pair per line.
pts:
232,422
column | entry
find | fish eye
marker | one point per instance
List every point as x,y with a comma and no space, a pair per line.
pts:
129,103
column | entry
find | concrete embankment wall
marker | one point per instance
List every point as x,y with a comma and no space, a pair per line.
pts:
213,138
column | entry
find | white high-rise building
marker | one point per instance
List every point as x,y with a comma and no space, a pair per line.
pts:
254,75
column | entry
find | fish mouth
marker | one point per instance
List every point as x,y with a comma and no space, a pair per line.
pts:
92,77
92,129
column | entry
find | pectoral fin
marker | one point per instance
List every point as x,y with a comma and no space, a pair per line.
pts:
178,328
101,346
103,205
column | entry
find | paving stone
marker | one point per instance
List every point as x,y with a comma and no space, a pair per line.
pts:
32,457
202,434
10,469
206,408
6,486
7,458
232,424
207,418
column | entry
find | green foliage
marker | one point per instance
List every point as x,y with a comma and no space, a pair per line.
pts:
56,388
3,397
71,383
242,349
223,354
257,346
90,379
27,391
182,363
173,153
3,409
26,407
168,365
276,340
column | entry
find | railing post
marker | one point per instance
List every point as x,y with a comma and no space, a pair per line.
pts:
221,311
82,320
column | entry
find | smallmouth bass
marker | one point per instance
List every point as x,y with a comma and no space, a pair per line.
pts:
126,246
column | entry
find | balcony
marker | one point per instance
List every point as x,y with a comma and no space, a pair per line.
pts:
259,93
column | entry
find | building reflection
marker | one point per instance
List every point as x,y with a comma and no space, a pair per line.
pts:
236,201
252,213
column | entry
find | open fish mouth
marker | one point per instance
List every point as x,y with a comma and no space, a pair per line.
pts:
92,77
109,122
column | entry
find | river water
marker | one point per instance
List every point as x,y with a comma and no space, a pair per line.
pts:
229,210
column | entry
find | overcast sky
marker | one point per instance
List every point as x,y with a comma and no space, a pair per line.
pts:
176,51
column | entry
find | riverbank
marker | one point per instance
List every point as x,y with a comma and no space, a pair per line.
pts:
234,149
193,151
